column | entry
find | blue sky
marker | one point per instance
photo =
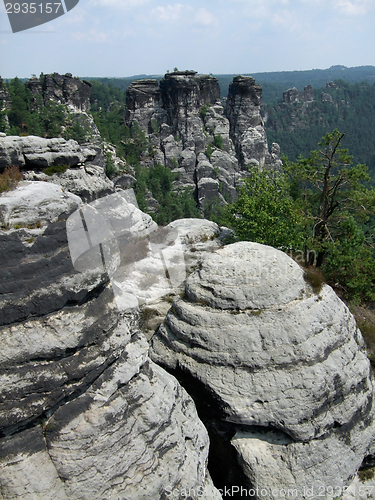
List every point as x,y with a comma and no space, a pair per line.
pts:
130,37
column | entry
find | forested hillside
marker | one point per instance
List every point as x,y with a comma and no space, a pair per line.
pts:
298,126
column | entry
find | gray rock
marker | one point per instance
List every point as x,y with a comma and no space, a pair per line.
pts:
274,355
83,410
246,126
36,152
88,182
62,89
37,275
33,202
131,427
208,189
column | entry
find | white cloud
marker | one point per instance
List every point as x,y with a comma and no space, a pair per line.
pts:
286,19
352,8
121,4
202,16
169,13
92,35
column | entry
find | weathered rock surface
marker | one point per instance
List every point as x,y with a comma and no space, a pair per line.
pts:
246,125
89,182
294,95
36,152
285,368
184,121
62,89
84,412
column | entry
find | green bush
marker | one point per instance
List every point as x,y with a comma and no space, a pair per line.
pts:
218,141
55,169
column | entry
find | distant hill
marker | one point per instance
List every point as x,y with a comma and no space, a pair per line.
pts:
273,83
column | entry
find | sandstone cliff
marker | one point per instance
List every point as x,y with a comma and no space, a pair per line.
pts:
195,135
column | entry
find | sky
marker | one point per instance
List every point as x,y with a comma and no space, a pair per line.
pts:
117,38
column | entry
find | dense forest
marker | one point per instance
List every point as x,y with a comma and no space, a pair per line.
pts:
298,126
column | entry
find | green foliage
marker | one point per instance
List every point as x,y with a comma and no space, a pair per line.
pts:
208,151
134,144
331,190
171,205
337,206
30,115
110,168
77,132
320,204
203,111
155,126
298,127
55,169
9,178
265,211
218,141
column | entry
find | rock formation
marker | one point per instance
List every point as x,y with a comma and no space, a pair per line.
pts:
84,412
191,132
279,370
31,151
62,89
294,95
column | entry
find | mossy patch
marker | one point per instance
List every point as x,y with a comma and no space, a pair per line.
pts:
366,474
55,169
314,277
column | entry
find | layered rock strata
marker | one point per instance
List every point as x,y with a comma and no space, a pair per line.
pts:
32,151
281,369
85,176
84,412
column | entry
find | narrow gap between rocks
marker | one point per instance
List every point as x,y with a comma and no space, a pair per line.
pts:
222,459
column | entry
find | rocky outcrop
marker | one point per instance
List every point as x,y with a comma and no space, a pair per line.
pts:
62,89
89,182
278,372
84,412
86,176
192,133
36,152
246,125
4,96
142,99
294,95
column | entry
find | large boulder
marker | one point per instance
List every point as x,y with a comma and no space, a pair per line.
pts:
285,367
84,412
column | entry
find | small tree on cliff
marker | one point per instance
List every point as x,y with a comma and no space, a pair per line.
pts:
332,191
